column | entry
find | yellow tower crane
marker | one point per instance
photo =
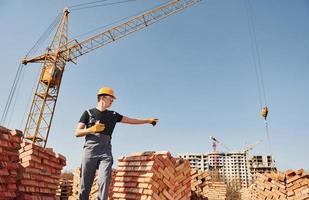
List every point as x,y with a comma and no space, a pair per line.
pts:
249,147
62,50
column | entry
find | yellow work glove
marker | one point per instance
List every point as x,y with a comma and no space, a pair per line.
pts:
98,127
153,121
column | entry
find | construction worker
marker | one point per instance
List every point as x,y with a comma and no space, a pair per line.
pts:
97,125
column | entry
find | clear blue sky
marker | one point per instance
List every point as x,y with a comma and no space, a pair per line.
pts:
194,71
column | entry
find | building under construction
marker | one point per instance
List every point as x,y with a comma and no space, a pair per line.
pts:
232,166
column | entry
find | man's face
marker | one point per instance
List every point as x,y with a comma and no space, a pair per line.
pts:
108,100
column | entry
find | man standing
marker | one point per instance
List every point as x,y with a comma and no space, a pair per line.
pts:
97,125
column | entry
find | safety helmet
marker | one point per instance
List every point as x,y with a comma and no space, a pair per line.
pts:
106,90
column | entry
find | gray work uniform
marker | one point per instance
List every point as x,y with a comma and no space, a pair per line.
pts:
97,153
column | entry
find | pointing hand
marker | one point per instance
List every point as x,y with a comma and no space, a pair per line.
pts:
153,121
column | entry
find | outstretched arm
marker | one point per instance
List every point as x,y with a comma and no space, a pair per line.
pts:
128,120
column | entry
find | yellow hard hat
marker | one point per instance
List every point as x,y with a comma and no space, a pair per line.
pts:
106,90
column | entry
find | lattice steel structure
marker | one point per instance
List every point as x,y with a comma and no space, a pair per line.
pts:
61,51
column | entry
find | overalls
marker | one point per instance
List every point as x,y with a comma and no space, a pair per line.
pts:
97,155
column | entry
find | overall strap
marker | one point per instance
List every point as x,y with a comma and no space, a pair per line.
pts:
91,120
89,113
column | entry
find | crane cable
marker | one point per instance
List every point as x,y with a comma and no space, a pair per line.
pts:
115,22
258,70
44,36
15,88
97,4
11,95
87,6
256,56
29,100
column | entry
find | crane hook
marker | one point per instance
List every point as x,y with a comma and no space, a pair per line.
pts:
264,112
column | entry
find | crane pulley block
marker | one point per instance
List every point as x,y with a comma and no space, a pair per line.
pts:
264,112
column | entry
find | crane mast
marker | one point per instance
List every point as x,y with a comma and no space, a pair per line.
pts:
61,51
47,89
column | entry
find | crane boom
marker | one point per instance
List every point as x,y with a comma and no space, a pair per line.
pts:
139,22
247,148
61,51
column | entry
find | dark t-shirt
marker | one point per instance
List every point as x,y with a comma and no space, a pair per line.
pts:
107,117
99,144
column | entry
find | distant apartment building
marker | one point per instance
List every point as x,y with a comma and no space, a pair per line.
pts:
262,164
231,166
